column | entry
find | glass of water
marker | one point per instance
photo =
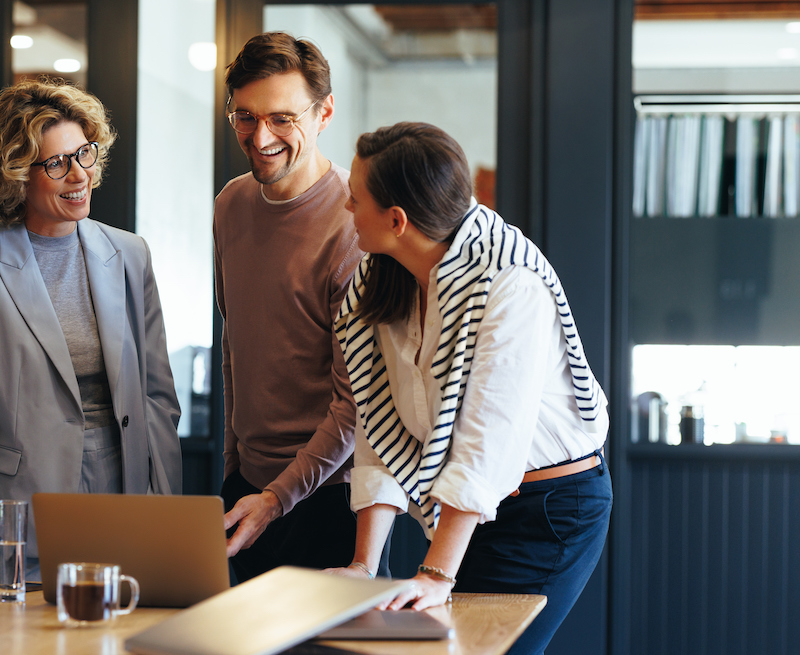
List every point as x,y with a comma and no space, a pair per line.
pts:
13,536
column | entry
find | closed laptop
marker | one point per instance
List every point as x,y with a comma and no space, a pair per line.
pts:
268,614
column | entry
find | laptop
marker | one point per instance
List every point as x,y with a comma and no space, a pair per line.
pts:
269,614
173,545
405,624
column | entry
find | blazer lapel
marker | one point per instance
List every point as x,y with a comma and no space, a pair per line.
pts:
105,266
21,276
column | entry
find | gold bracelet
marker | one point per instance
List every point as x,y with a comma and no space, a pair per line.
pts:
364,568
437,573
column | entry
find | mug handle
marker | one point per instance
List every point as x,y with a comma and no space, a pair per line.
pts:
134,583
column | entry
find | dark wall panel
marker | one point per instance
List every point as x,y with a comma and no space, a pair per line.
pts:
112,41
712,557
576,179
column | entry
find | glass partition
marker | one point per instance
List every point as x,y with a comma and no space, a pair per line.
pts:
49,39
174,186
391,63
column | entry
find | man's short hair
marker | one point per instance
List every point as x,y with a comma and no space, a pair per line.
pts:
278,52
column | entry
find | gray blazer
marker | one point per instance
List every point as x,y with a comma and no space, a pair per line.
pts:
41,420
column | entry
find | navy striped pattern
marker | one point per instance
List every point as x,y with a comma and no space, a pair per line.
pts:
484,245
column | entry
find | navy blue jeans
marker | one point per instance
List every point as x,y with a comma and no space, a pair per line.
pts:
547,540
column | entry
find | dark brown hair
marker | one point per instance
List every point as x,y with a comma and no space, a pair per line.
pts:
278,52
420,168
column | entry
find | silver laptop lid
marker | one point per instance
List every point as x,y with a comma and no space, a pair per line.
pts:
405,624
266,615
173,545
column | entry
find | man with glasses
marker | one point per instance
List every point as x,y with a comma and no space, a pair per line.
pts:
285,250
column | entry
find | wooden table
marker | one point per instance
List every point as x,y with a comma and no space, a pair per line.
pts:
485,624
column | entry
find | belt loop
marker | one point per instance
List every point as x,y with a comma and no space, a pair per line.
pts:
603,465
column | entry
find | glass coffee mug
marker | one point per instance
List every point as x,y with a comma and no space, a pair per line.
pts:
88,594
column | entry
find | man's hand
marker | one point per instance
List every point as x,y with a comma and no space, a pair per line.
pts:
253,513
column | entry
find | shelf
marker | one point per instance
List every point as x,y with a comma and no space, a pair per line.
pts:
756,219
760,104
731,453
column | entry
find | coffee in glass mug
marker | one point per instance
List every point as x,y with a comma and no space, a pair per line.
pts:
88,593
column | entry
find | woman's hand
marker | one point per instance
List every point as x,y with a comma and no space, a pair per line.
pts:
424,592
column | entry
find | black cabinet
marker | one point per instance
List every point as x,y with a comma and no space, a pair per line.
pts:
715,281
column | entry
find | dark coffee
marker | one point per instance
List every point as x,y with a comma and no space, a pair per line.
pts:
88,600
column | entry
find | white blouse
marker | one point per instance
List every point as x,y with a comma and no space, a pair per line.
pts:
518,413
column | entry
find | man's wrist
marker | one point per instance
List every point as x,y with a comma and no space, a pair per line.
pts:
274,503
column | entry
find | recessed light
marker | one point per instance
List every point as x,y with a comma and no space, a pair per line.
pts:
203,55
787,53
21,41
67,65
793,27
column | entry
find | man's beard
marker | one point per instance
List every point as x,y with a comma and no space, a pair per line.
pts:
269,178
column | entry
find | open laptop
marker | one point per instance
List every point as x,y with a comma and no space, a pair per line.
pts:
173,545
268,614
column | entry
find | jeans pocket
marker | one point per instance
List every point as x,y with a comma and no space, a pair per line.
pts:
561,508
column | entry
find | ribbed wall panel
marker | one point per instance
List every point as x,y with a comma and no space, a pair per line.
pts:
715,558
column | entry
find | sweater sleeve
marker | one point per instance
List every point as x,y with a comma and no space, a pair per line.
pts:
331,445
230,450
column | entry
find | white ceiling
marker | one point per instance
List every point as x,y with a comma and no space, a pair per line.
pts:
714,44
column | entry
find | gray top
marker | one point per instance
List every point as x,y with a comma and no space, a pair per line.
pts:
63,268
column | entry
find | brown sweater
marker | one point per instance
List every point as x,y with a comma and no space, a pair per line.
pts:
281,273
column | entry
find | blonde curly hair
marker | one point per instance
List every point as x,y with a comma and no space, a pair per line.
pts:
27,110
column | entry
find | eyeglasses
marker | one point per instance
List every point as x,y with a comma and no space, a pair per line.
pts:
279,124
58,166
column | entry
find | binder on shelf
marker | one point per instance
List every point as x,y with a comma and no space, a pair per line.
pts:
656,164
746,166
640,152
791,165
672,165
686,163
727,199
709,181
773,186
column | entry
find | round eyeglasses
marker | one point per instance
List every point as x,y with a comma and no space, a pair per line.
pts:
279,124
58,166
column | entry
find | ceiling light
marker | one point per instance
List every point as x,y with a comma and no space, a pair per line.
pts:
793,27
203,55
787,53
67,65
21,41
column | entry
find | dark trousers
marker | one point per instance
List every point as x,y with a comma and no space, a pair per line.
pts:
319,532
545,541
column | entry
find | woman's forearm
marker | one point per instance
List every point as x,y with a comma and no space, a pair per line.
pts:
374,523
451,539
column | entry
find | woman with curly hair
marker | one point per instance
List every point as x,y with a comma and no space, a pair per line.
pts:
87,402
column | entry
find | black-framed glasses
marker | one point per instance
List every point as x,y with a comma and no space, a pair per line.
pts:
279,124
58,166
